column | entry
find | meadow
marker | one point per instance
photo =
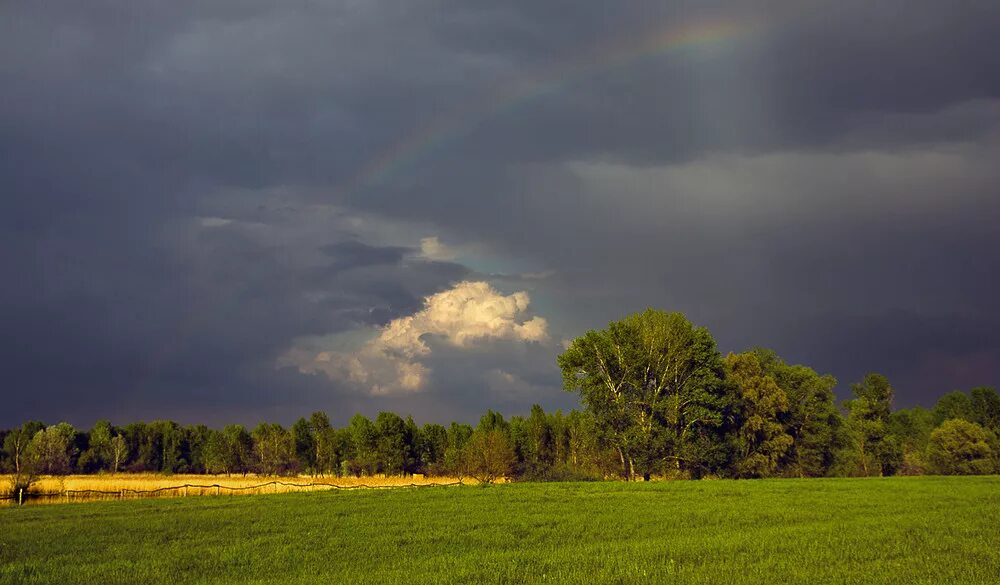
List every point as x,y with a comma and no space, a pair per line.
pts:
891,530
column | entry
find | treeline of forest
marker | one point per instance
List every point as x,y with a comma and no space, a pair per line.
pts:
659,400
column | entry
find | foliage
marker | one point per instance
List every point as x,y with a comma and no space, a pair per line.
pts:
960,447
761,440
488,456
872,450
653,382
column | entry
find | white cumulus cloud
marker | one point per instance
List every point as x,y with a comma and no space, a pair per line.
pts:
393,360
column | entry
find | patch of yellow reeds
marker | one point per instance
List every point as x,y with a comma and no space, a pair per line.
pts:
54,489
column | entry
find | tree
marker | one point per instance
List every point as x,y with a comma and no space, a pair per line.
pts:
812,418
52,449
363,459
912,429
326,454
98,455
458,436
986,408
391,448
960,447
119,452
539,455
431,448
274,448
194,447
761,440
17,443
488,456
305,444
165,439
654,384
955,404
872,451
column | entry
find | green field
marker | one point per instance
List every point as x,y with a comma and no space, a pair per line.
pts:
894,530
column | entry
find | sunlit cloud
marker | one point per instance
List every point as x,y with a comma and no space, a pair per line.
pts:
393,360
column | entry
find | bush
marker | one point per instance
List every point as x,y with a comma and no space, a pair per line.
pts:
960,447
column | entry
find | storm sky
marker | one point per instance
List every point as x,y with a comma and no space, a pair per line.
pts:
236,211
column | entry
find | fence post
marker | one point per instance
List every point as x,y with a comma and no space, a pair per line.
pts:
20,497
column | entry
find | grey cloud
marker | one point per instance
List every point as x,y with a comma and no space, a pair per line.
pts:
822,181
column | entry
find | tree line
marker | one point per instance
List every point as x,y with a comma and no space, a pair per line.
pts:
659,400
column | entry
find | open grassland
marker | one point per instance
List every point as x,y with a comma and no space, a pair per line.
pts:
81,488
894,530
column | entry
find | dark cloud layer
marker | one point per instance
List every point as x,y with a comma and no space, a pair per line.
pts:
189,188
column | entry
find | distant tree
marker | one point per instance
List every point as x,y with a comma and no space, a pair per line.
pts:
52,449
960,447
194,446
432,447
986,408
492,421
586,452
539,454
761,440
305,444
164,445
17,444
118,451
363,458
488,456
98,454
229,451
326,455
458,436
654,384
391,447
812,418
912,428
872,451
140,448
955,404
3,453
412,439
274,448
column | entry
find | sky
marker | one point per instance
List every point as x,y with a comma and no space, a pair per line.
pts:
236,211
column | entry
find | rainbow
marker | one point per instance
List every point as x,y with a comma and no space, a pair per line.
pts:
435,135
444,130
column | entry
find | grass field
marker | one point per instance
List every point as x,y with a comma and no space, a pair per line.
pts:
894,530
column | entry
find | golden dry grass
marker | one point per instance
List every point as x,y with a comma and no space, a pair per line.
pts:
59,489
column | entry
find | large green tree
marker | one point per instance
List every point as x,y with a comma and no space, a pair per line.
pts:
872,450
17,445
812,418
761,439
960,447
274,448
52,449
654,383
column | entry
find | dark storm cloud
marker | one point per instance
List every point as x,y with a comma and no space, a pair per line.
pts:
185,194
